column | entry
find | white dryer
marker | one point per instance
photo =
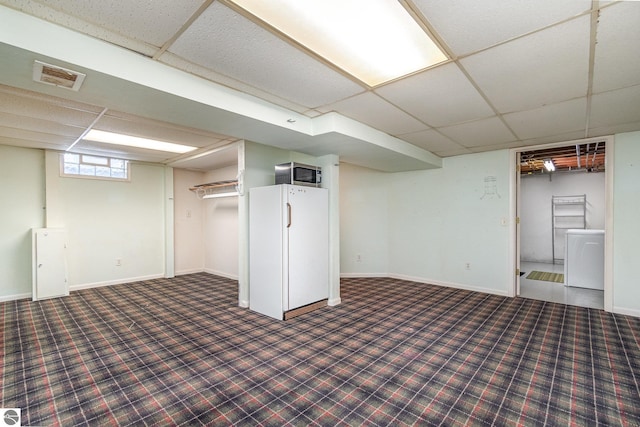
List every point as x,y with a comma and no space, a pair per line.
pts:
584,259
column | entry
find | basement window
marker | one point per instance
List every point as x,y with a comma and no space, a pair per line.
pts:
97,167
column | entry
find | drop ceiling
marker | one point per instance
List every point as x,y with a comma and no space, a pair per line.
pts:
204,72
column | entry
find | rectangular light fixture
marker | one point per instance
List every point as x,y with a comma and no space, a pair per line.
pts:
374,41
549,165
134,141
216,195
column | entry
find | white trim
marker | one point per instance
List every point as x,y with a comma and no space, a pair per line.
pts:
626,311
127,168
191,271
513,291
221,274
208,271
357,275
243,304
15,297
450,285
608,224
425,281
115,282
334,301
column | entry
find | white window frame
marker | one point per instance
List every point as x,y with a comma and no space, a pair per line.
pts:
88,162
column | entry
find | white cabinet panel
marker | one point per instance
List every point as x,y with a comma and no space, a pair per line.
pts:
49,263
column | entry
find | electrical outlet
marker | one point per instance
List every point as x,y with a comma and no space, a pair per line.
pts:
358,258
467,266
188,213
118,262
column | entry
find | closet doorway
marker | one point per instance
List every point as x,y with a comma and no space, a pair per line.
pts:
561,206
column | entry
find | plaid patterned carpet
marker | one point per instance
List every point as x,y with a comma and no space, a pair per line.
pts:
180,352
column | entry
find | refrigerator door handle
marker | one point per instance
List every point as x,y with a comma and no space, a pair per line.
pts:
288,215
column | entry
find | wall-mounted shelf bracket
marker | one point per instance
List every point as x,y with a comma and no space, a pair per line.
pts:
216,189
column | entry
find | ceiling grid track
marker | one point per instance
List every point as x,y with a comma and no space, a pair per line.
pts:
182,29
425,23
593,39
88,129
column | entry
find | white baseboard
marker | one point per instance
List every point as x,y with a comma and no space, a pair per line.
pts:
449,284
357,275
626,311
191,271
243,304
426,281
221,274
15,297
334,301
114,282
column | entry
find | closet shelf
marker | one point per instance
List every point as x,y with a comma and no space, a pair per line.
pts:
567,212
216,189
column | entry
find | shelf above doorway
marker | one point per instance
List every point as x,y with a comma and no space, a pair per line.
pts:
216,189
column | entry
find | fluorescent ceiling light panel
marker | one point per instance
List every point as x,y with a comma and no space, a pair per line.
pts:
134,141
549,165
375,41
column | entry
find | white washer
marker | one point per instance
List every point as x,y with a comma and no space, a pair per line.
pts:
584,259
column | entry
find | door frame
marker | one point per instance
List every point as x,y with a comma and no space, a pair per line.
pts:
515,192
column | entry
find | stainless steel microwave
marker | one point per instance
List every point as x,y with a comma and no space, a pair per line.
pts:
298,174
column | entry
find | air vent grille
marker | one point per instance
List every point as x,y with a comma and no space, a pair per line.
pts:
57,76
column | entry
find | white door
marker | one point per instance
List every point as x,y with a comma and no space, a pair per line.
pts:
50,278
308,245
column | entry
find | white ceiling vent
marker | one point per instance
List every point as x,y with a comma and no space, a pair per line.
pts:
57,76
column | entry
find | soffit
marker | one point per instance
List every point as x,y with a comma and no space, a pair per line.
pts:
514,63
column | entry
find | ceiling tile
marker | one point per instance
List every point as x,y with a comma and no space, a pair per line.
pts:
433,141
467,26
439,97
563,137
480,132
136,126
615,107
53,110
230,44
152,22
617,62
543,68
222,157
374,111
501,146
549,120
30,138
614,129
180,63
53,128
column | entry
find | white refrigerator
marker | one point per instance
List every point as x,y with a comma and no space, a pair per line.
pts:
288,248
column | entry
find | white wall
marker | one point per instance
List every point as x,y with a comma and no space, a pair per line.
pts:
364,220
189,243
428,225
626,223
220,228
449,226
535,208
22,208
109,220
